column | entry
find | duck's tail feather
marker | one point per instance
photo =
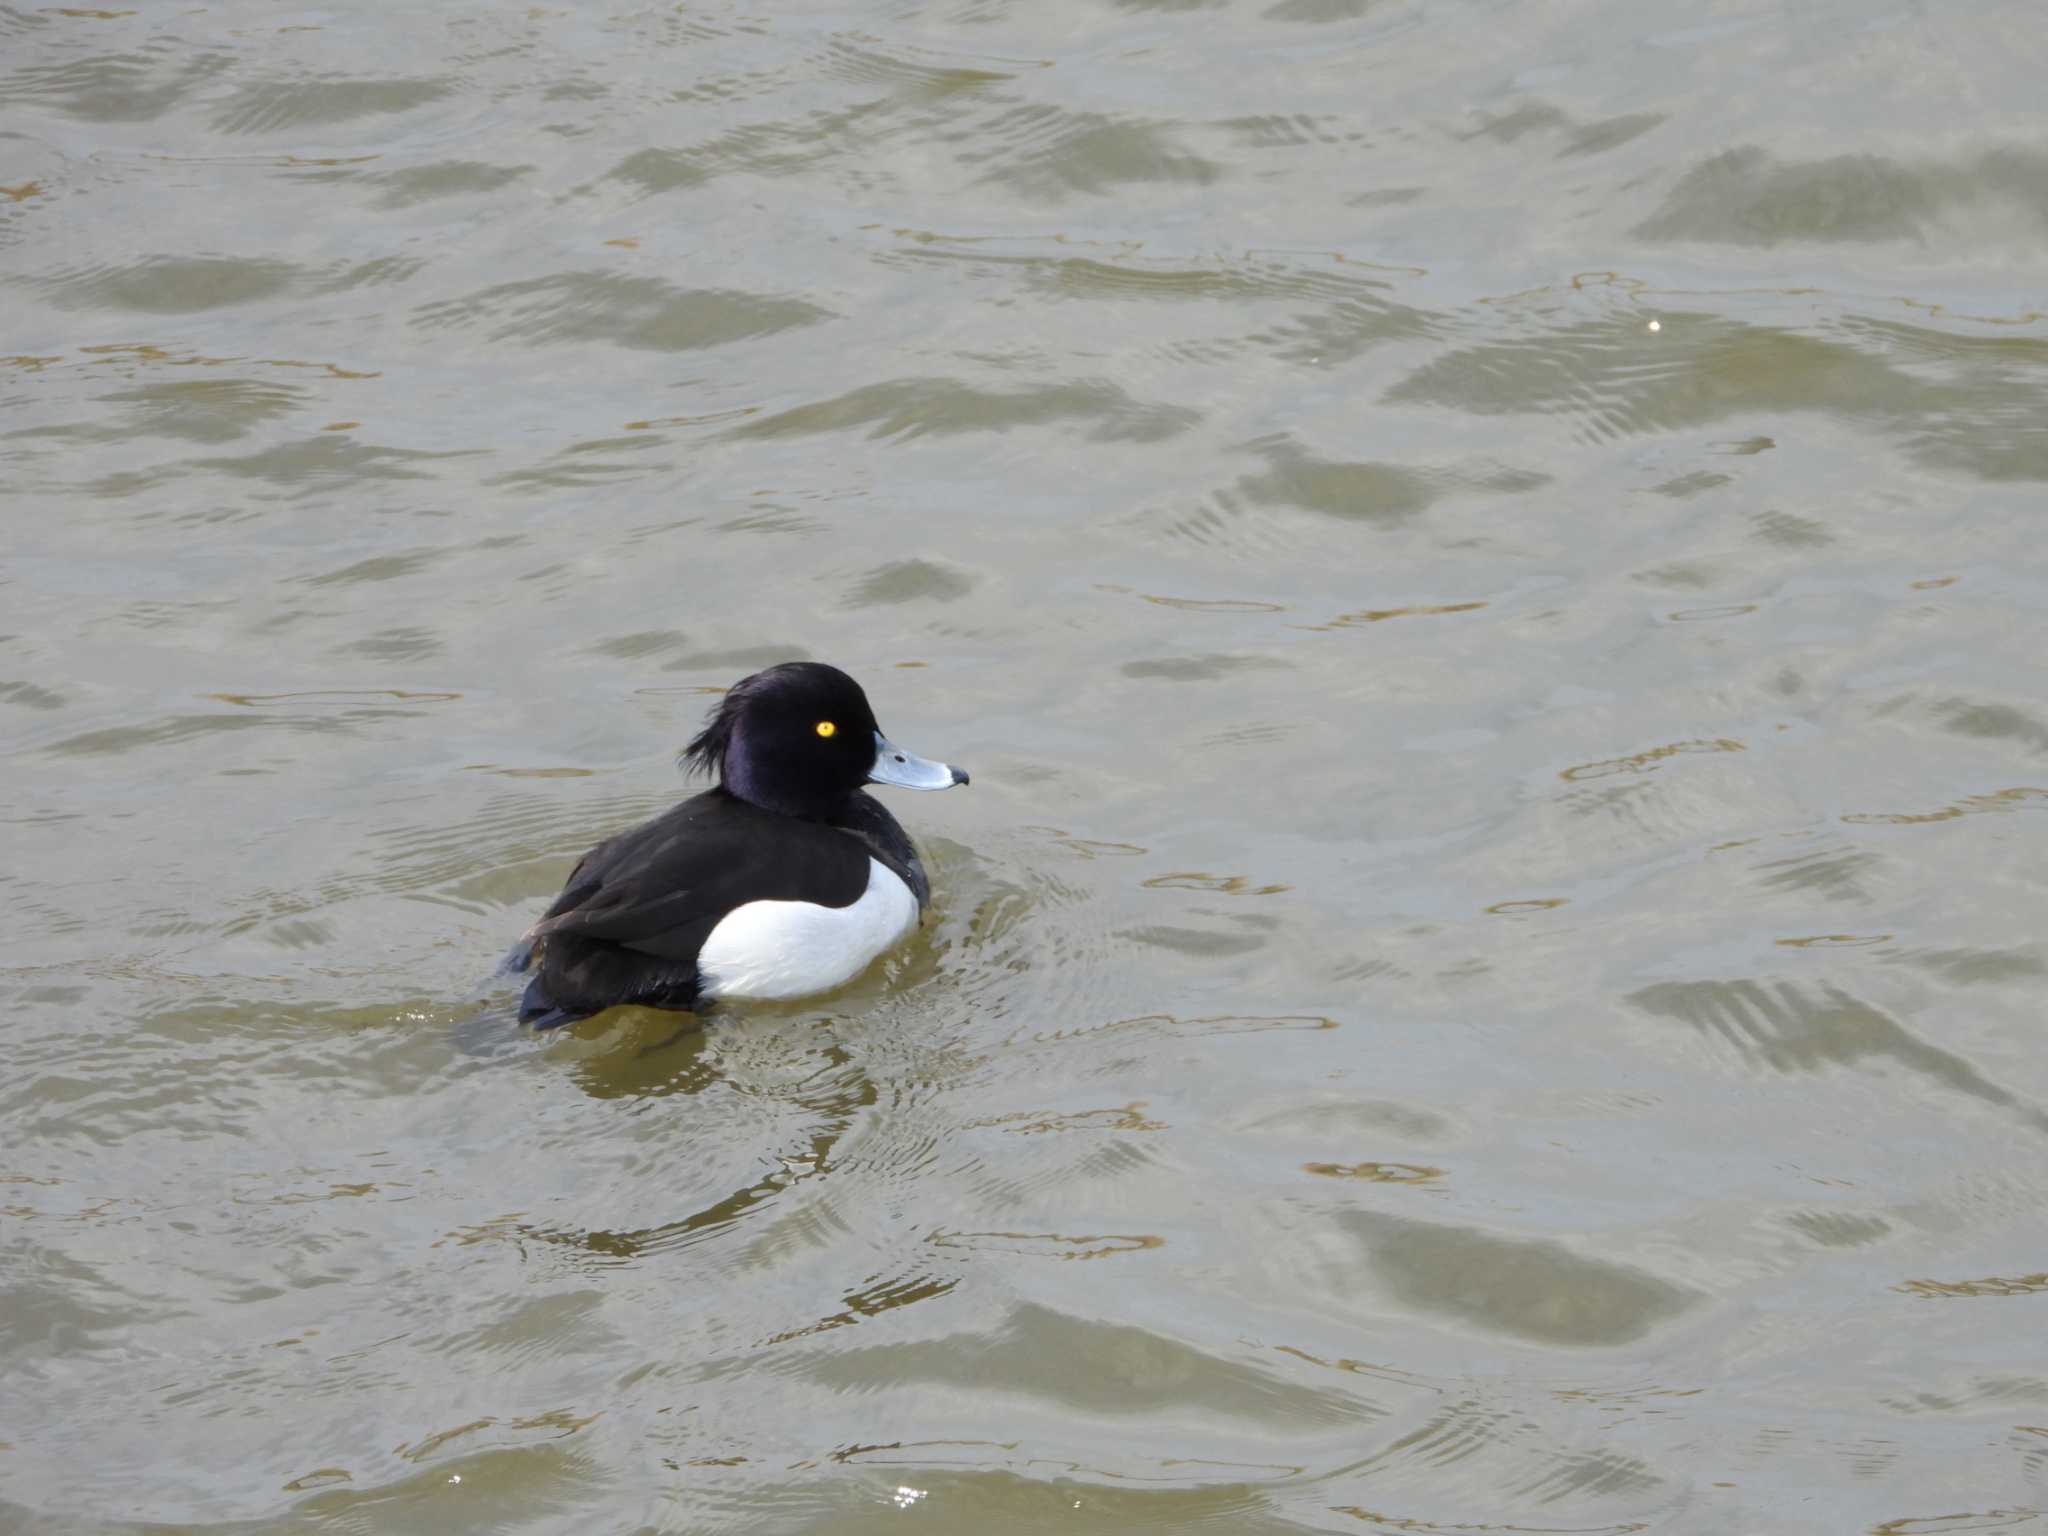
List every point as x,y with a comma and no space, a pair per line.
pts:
542,1012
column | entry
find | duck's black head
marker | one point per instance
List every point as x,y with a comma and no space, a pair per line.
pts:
799,738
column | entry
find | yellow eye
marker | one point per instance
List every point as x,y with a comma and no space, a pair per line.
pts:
827,728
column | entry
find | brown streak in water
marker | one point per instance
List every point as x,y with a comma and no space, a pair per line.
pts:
498,1229
1534,904
22,193
932,237
434,1442
340,426
626,242
558,1418
1267,1468
146,352
737,414
1622,1394
1650,761
319,1477
1129,1117
848,1453
1376,1173
351,694
1362,1369
333,1192
860,1308
1366,616
1406,1523
1977,805
1930,585
1596,278
1696,615
2027,317
1580,283
1221,885
1337,258
627,1247
1835,941
1937,1525
1996,1285
1091,848
1215,604
333,370
1114,1243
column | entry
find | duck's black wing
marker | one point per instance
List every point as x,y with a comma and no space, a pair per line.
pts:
638,907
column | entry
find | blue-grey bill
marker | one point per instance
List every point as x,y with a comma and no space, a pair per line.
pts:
907,770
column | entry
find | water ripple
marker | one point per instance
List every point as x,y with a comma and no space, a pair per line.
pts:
643,313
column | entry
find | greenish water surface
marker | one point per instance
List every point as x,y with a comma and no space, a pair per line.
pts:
1485,559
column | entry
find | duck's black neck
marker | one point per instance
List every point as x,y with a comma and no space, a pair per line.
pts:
771,785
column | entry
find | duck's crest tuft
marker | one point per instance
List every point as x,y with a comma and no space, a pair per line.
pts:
706,754
706,751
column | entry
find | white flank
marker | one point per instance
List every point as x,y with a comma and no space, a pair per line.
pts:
781,949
